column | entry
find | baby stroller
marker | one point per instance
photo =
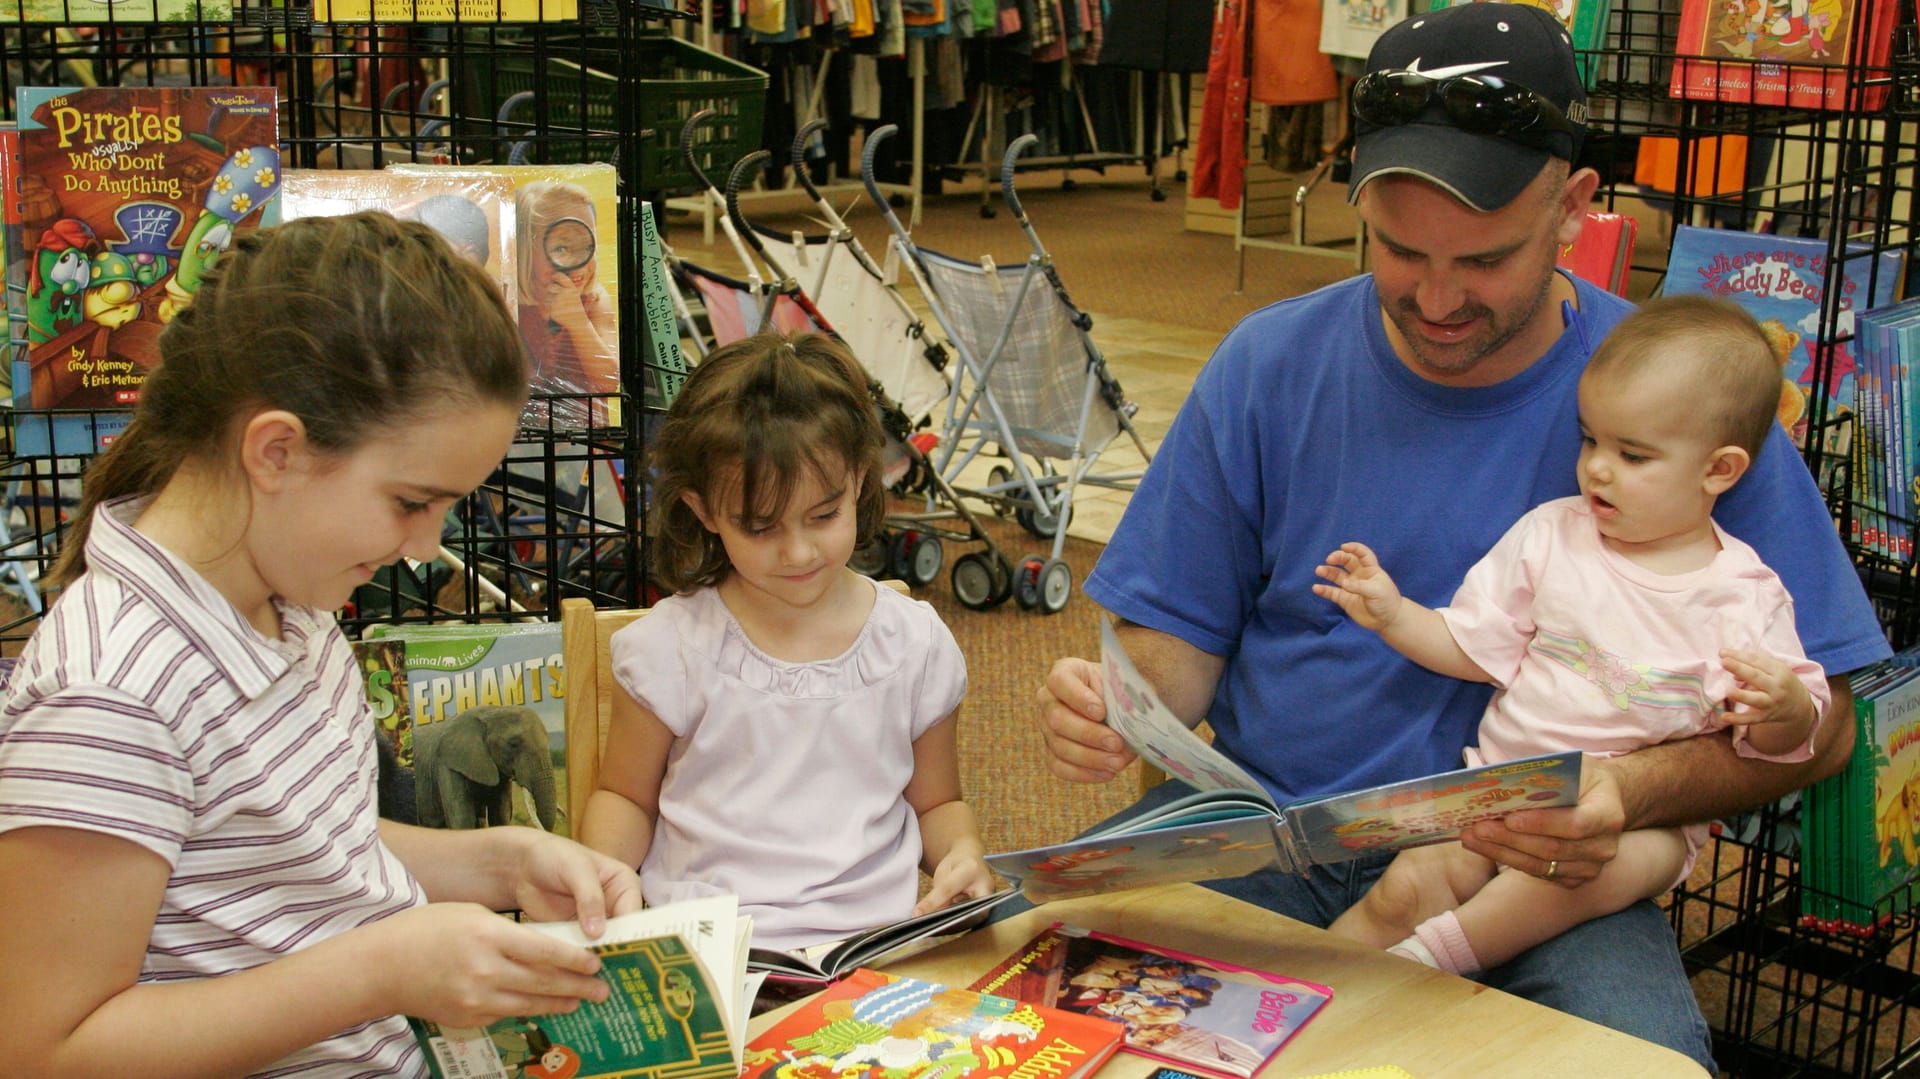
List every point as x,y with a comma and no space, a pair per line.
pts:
1031,385
912,545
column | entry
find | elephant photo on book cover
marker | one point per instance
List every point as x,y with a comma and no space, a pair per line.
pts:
466,767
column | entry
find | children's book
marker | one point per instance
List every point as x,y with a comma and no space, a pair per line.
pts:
1603,253
561,214
122,11
1586,23
1799,54
1211,1016
128,195
489,727
894,941
1231,826
474,211
1861,859
473,11
677,1008
1782,282
871,1025
383,667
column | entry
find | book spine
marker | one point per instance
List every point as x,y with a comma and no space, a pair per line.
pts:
1292,849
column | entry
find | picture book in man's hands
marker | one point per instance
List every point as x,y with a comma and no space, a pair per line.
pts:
1204,1014
871,1025
1231,826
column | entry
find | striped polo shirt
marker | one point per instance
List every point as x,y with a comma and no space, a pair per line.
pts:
146,707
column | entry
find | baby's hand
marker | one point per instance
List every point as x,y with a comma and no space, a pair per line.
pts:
1360,586
960,873
1767,690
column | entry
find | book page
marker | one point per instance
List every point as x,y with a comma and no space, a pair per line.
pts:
1154,732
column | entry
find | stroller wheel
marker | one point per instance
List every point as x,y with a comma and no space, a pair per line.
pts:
870,558
1056,584
1002,579
1026,583
974,581
917,557
998,477
1041,520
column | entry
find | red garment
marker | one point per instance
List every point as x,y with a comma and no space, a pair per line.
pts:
1220,154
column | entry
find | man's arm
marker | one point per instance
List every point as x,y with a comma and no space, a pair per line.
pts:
1073,715
1673,783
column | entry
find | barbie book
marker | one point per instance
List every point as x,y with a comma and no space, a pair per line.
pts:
1213,1017
1230,826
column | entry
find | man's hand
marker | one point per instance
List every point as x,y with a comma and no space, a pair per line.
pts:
1359,586
1567,845
1081,747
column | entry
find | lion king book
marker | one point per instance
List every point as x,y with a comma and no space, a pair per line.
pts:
871,1025
1230,826
1214,1017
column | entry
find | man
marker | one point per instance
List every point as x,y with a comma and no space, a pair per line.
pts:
1426,406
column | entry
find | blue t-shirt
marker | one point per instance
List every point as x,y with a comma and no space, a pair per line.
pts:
1305,431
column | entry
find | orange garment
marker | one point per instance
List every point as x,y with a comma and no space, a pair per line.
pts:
1288,66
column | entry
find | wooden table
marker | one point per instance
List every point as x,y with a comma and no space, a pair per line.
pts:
1385,1010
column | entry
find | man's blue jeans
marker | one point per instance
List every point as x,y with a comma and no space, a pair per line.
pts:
1622,971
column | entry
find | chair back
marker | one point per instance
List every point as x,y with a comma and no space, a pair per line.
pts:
584,633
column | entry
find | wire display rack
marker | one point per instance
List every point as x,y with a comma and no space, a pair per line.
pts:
564,515
1783,997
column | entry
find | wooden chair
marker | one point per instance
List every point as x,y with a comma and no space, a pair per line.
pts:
584,632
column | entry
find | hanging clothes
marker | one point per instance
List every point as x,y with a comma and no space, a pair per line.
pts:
1288,66
1157,35
1220,154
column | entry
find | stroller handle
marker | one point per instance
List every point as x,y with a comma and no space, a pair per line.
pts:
1014,150
686,147
874,138
799,154
744,170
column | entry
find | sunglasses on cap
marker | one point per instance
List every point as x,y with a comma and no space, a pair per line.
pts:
1480,104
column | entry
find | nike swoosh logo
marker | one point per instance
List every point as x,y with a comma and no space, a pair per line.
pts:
1451,71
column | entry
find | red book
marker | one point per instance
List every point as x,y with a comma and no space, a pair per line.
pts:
1204,1014
871,1025
1760,53
1604,252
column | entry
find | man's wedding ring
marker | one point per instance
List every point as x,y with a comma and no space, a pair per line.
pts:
1553,869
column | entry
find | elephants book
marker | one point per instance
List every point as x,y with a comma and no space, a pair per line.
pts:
1230,826
489,730
677,1008
871,1025
1212,1016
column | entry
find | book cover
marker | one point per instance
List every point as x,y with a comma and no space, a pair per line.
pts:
1603,252
567,282
1799,54
1782,282
663,1019
1586,23
1862,853
871,1025
489,728
129,194
474,11
473,211
1214,1017
122,11
383,668
1230,826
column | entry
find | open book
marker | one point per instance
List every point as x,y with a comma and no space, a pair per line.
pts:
869,948
679,1004
1231,827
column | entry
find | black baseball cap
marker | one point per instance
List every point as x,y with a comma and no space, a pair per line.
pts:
1517,44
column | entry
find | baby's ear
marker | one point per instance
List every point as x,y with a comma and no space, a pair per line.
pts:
1725,466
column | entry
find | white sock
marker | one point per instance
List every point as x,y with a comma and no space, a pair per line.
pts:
1411,948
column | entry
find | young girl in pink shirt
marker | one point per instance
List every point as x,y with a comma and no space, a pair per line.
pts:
1614,619
788,729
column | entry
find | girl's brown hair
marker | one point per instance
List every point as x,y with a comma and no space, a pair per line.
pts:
756,417
356,324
